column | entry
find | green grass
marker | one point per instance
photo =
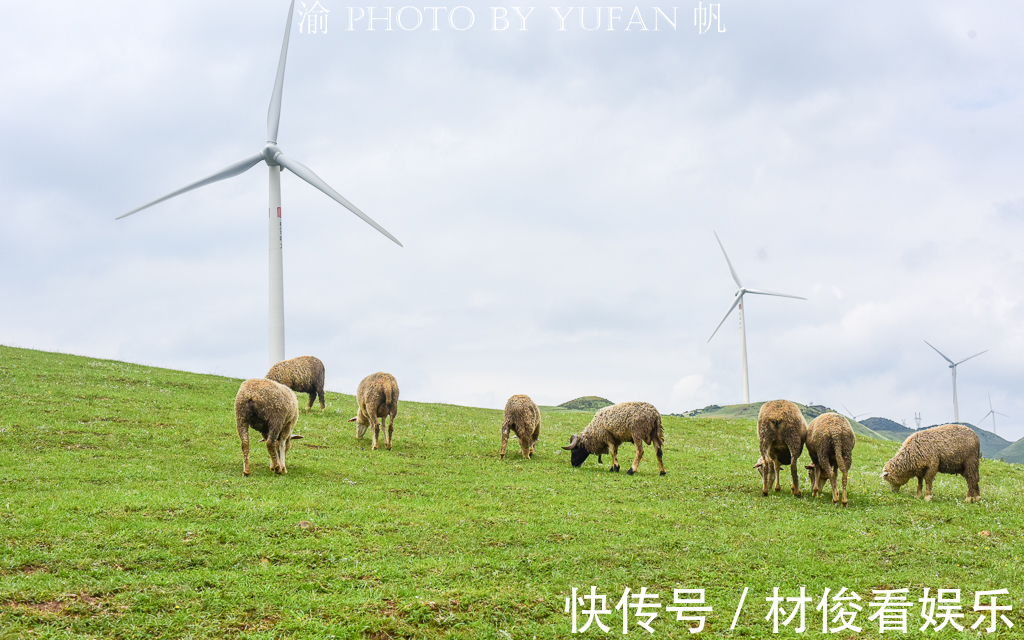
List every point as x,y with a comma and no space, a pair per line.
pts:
124,514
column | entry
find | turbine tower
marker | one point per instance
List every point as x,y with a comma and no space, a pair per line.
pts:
738,302
991,412
276,162
953,366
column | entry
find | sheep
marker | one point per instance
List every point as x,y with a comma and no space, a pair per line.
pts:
781,431
830,443
302,375
950,448
272,409
377,396
636,422
523,419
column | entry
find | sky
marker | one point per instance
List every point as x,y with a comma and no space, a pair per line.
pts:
556,190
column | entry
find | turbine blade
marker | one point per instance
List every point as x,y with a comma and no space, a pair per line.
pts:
306,174
229,172
274,112
727,261
736,301
974,356
772,293
940,353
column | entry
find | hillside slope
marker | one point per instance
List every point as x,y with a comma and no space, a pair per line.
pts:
125,515
750,411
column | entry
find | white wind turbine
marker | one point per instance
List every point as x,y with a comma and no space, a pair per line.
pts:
953,366
738,302
276,162
992,412
854,417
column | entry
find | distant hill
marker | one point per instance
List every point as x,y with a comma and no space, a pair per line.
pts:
750,411
1013,453
892,429
587,403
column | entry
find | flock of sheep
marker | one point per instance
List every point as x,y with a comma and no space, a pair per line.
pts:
269,406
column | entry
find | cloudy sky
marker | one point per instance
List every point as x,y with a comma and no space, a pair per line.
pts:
556,192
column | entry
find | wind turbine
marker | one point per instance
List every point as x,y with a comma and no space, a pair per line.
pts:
953,366
992,412
276,162
738,301
853,417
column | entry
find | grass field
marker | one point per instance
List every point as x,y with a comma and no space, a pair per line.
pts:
124,514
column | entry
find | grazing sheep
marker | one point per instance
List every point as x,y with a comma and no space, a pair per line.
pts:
830,442
781,431
377,396
636,422
950,448
270,408
523,419
302,375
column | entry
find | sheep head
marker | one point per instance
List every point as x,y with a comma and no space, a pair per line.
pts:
579,452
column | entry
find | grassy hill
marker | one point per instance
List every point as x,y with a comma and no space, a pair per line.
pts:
889,428
125,515
750,411
587,403
1013,453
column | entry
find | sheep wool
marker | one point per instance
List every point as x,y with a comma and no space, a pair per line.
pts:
636,422
272,409
950,448
377,396
302,375
781,431
523,419
830,442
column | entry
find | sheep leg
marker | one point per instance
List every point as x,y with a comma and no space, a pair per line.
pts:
920,484
776,471
312,396
795,445
391,429
929,476
243,434
504,441
282,447
832,478
636,461
533,444
615,458
661,465
971,475
526,445
376,433
320,394
845,470
273,446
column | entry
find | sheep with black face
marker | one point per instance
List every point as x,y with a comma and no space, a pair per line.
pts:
636,422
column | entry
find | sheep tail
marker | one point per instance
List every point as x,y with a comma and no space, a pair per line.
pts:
659,432
837,447
388,394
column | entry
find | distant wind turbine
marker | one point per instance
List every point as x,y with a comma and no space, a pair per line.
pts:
992,412
738,302
276,162
850,413
953,366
